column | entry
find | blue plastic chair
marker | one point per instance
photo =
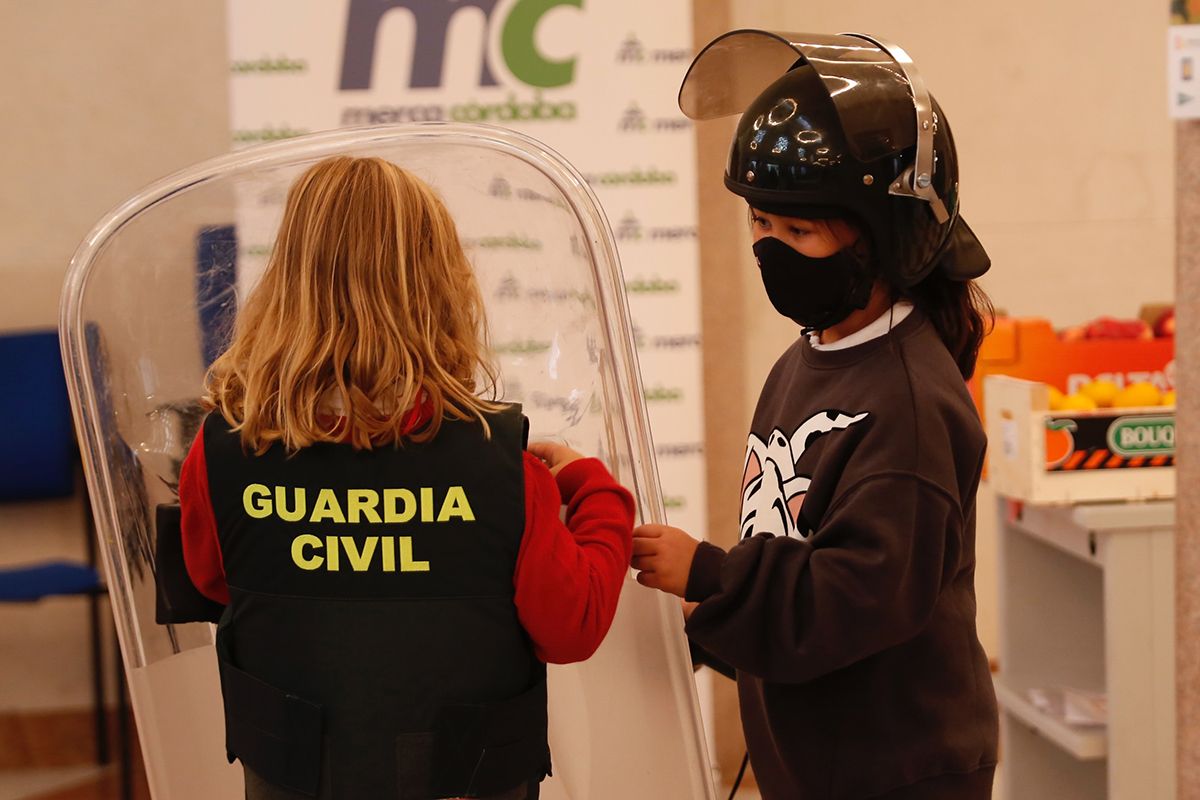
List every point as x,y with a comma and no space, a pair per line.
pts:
38,461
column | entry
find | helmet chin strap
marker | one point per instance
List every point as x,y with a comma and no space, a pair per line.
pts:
860,293
810,332
917,180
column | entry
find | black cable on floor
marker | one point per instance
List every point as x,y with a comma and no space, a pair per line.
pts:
741,773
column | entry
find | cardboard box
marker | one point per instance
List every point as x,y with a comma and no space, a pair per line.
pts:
1030,349
1043,456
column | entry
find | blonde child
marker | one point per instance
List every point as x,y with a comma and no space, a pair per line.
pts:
393,565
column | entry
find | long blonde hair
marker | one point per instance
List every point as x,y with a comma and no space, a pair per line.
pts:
368,299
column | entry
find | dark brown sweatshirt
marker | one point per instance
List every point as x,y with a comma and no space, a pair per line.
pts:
848,608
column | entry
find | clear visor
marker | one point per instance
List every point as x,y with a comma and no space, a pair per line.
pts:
868,88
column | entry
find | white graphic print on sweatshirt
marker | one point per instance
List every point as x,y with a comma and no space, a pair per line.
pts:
772,492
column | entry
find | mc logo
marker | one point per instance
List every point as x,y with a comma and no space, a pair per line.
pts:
518,45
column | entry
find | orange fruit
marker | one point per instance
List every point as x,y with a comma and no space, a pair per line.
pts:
1078,402
1138,394
1168,399
1056,399
1103,392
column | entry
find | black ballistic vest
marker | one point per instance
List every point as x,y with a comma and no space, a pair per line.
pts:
371,648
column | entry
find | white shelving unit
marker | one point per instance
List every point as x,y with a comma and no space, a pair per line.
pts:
1087,601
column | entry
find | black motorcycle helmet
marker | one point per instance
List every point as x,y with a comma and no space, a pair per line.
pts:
840,126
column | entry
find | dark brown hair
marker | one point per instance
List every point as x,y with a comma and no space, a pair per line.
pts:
961,313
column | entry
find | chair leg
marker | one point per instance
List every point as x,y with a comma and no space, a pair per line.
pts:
103,756
102,744
123,737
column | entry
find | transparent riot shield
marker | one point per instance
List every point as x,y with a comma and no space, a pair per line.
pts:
146,305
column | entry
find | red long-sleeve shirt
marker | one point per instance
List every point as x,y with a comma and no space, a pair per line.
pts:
568,576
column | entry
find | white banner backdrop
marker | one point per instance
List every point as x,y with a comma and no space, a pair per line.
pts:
596,81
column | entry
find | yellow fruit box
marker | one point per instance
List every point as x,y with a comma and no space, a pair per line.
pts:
1040,455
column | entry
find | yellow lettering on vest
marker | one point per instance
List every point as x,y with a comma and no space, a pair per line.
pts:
426,504
331,549
391,497
388,549
299,506
302,561
327,507
456,505
257,501
362,502
360,560
407,564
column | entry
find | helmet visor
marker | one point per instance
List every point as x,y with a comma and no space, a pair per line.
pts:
868,88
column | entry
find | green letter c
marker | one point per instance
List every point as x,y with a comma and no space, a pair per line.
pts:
520,51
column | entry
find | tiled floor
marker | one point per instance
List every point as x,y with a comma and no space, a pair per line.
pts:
93,783
51,756
69,783
106,787
752,794
20,784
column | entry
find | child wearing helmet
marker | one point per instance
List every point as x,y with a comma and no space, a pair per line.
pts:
848,607
393,567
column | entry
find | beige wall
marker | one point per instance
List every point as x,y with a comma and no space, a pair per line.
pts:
100,99
1059,113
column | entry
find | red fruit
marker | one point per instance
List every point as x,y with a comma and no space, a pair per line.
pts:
1103,328
1110,328
1164,326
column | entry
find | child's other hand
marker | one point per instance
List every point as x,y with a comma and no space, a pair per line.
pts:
663,557
554,454
688,608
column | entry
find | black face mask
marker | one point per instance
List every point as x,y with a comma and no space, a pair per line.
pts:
815,292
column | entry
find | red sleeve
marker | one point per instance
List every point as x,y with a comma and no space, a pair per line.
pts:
569,576
198,526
